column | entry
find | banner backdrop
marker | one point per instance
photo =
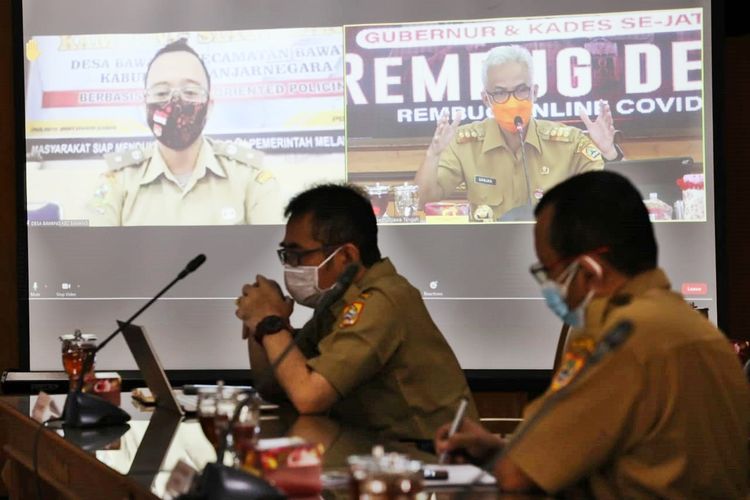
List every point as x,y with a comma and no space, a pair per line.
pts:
280,90
648,65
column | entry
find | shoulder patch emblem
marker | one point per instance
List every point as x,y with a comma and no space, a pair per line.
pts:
573,361
352,313
591,152
264,176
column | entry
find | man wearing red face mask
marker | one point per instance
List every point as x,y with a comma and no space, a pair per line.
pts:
184,178
489,155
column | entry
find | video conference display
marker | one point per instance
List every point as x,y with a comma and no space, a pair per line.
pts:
134,163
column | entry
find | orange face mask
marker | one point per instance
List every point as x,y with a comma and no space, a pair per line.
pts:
505,113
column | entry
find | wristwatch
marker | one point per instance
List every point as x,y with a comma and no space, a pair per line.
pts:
268,326
620,154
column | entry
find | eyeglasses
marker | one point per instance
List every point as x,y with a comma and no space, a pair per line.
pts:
522,93
540,272
164,93
293,257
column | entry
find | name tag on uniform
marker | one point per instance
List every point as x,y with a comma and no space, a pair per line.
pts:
479,179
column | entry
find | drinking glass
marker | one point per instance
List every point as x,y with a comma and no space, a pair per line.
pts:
214,410
406,200
78,351
247,426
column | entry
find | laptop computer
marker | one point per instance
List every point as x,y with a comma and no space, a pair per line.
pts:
150,366
156,379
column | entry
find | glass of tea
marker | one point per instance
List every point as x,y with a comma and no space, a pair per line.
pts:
407,199
379,197
383,476
215,408
247,426
78,351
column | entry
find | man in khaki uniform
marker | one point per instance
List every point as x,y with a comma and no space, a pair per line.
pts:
371,354
487,155
650,400
226,187
184,179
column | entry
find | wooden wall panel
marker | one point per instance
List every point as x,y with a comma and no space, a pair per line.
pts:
8,273
737,195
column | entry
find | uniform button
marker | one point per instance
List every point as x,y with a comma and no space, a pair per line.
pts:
621,299
232,149
136,155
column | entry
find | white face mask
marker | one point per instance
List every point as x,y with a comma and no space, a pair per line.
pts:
555,295
302,282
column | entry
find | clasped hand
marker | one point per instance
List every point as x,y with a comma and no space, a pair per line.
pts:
260,299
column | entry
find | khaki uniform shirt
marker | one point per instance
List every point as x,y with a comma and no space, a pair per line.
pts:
667,414
392,368
226,187
494,176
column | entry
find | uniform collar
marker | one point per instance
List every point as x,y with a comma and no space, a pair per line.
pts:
493,137
380,269
599,308
206,161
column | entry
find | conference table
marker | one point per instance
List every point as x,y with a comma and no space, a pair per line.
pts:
135,461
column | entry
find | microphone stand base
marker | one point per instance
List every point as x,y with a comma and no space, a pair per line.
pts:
86,410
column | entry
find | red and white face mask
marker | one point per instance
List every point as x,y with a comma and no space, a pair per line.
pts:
177,123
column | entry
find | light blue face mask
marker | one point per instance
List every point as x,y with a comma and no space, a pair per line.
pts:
555,293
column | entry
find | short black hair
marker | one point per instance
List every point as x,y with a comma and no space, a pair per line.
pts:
180,45
601,209
340,214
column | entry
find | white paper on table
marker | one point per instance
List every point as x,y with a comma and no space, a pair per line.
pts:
460,474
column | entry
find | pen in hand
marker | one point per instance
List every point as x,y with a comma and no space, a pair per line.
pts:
455,425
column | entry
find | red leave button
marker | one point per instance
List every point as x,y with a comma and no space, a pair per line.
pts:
694,288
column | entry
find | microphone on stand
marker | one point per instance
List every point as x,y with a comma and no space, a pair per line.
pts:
87,410
343,282
518,121
189,268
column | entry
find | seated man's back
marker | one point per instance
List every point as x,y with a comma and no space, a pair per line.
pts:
666,414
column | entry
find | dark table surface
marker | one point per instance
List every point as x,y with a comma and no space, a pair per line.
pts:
155,440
